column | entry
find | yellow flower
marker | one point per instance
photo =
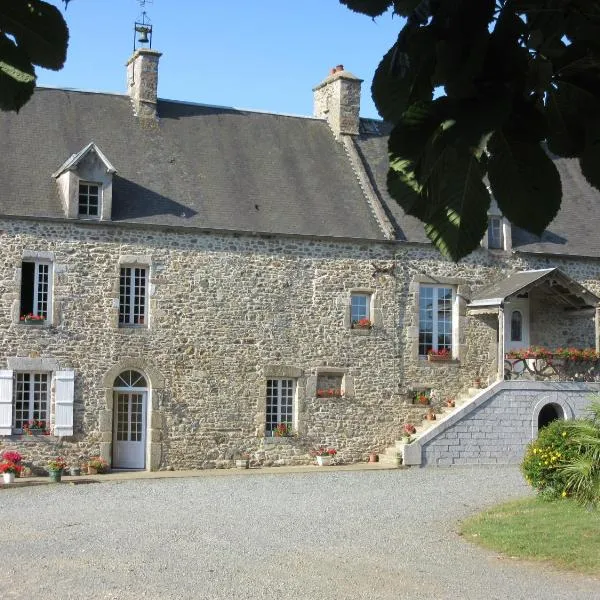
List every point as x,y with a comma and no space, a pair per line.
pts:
564,434
564,494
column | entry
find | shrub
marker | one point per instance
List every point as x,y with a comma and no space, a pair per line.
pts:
543,457
582,474
565,459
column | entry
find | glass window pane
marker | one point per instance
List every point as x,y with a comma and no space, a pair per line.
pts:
516,326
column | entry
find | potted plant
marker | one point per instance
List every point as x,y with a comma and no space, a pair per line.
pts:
30,319
323,455
74,470
35,427
430,416
373,457
9,470
283,430
96,465
407,432
439,355
422,397
243,462
55,468
362,324
330,393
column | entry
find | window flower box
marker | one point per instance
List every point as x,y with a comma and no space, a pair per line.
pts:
362,324
31,319
35,428
330,393
439,355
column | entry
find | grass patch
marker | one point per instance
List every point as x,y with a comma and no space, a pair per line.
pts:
562,533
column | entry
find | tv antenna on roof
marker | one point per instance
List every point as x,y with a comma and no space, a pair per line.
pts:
143,27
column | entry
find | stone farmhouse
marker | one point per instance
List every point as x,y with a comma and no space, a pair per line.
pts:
181,283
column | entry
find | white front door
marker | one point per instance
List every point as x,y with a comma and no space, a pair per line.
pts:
129,448
516,324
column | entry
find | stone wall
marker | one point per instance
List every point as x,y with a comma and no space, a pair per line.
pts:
226,312
552,328
497,427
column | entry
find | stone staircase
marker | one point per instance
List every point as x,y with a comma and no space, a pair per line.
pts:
392,456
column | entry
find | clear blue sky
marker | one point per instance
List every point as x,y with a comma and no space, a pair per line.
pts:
256,54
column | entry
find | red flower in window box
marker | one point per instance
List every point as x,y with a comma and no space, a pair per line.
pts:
35,427
31,318
330,393
441,354
362,324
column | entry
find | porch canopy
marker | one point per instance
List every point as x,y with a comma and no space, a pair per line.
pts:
553,284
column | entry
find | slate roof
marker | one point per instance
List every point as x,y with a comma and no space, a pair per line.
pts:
574,231
558,283
223,168
202,166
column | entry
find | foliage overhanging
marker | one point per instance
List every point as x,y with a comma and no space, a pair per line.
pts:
520,82
32,32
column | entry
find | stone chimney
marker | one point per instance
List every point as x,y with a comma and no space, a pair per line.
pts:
142,82
337,99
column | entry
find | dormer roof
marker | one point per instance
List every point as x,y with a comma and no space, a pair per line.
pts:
73,161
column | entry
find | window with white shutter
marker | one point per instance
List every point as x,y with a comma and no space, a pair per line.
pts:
64,388
6,402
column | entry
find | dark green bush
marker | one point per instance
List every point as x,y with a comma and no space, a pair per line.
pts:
565,459
545,455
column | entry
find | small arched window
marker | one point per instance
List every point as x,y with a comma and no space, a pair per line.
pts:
516,326
130,379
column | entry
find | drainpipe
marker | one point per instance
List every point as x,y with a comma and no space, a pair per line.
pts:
501,342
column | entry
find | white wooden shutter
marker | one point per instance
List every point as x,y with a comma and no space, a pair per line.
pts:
64,387
6,402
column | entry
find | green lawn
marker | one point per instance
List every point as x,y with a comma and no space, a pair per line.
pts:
562,533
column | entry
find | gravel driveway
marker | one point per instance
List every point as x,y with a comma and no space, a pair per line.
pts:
320,535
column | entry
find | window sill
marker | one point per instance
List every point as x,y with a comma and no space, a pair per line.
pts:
35,324
452,362
359,331
22,437
267,440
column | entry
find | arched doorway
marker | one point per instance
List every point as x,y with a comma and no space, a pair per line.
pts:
550,412
130,398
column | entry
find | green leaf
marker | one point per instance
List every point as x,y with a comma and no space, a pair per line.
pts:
407,145
590,157
524,181
456,187
566,105
17,78
38,29
405,8
392,90
371,8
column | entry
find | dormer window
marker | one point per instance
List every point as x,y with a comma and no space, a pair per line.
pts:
89,200
495,233
85,183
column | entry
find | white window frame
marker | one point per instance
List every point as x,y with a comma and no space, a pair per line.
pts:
31,398
86,195
495,223
130,300
436,321
354,318
285,411
42,299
